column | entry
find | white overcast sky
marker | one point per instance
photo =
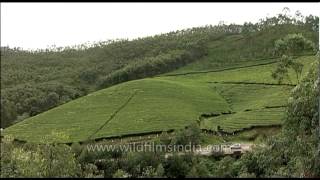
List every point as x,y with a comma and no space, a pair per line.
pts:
37,25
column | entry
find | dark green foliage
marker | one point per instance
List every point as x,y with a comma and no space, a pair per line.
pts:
303,107
257,163
89,76
199,170
227,168
176,167
8,112
189,136
292,44
312,22
34,99
282,70
149,67
295,153
32,160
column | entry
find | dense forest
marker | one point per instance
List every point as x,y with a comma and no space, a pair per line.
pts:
35,81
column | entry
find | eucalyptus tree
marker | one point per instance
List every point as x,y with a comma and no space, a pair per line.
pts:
287,48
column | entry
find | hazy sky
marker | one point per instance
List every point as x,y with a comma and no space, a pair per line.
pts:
37,25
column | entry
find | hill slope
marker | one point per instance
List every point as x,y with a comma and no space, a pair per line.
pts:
163,103
156,105
34,82
190,75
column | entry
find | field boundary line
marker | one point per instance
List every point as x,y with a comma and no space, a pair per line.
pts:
233,68
240,130
218,70
113,114
250,83
229,102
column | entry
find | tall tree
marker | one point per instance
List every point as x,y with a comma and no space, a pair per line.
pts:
287,47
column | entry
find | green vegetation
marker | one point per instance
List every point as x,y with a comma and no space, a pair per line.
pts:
255,74
65,74
30,160
72,72
163,103
292,153
214,78
295,151
291,45
241,120
167,102
158,105
256,135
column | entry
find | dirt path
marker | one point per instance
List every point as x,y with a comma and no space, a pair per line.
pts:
225,149
222,149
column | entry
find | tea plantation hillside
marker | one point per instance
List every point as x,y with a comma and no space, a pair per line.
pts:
35,81
218,76
167,102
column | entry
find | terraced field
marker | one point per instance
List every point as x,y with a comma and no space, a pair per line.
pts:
244,119
245,97
167,102
253,73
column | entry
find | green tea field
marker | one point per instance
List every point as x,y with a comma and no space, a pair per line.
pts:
240,97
